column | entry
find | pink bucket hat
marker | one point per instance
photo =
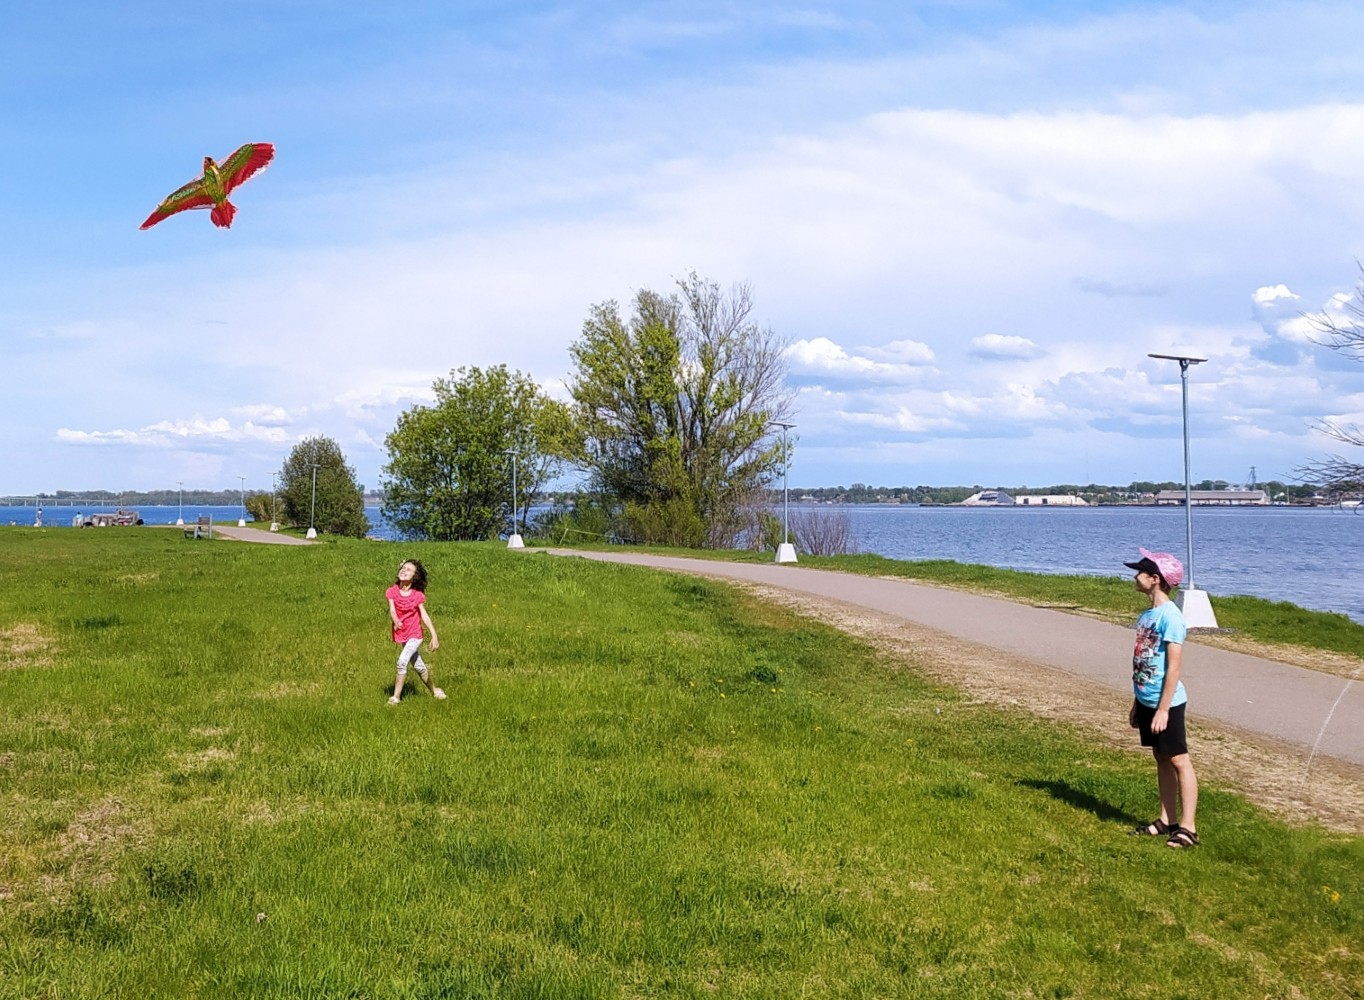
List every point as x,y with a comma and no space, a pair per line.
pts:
1170,569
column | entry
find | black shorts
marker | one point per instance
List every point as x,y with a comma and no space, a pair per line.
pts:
1170,743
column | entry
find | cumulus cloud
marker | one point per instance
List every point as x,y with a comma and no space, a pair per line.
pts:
997,347
820,356
167,433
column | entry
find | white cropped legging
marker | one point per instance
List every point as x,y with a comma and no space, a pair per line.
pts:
410,655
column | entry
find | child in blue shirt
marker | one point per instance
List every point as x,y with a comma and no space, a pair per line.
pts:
1159,699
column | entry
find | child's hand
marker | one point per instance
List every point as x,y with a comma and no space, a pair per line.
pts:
435,643
1132,716
1161,720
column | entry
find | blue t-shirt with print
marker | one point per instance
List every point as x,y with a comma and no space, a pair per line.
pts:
1156,629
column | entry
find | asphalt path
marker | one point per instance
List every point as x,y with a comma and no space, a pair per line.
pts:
257,535
1322,713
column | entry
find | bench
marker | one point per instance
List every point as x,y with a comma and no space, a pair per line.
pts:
203,528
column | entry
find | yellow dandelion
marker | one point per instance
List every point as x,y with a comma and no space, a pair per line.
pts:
722,694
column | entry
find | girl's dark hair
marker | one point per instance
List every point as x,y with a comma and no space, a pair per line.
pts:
419,577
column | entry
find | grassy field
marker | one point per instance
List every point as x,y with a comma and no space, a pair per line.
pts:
1110,597
640,786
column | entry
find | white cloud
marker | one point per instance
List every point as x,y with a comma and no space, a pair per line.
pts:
997,347
166,433
910,352
821,356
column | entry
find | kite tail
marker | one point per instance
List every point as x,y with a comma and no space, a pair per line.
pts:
222,215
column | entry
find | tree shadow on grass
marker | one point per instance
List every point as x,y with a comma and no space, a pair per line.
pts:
1081,799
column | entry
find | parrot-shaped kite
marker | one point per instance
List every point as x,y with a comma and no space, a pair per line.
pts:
217,183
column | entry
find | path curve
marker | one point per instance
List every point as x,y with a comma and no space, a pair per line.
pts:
1258,695
256,535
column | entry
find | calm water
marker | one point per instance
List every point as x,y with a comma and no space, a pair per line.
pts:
1310,556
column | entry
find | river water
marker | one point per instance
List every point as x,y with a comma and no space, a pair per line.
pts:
1311,556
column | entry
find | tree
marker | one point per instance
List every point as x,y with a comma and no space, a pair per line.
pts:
675,410
449,474
1337,474
340,502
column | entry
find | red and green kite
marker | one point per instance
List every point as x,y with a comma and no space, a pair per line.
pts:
212,189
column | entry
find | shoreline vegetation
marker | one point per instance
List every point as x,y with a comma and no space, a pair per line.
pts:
641,784
1137,492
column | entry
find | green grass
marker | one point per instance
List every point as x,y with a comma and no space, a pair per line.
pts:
1273,622
641,786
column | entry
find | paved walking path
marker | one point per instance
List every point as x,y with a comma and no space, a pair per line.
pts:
256,535
1316,711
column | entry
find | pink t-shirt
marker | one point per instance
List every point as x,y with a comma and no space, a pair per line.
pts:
408,607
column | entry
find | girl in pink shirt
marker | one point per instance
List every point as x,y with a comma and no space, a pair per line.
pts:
407,608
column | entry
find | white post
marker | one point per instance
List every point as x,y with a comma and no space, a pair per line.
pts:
786,552
312,512
274,501
514,539
1193,603
241,521
180,521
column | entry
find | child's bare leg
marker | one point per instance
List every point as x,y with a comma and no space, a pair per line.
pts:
424,673
398,685
1183,768
1168,780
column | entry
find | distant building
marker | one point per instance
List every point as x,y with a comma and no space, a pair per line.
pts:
1052,500
988,498
1213,498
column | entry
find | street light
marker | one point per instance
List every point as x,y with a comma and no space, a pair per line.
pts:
786,552
514,539
1192,602
274,501
312,511
180,521
241,521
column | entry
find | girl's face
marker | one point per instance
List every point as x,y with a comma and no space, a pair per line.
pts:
406,572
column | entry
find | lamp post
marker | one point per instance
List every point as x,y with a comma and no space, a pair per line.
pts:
786,552
1192,602
180,521
241,521
312,511
514,539
274,502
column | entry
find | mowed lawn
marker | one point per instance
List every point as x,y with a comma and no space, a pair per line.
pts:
641,785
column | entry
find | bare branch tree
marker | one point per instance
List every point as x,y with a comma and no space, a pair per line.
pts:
822,531
1339,477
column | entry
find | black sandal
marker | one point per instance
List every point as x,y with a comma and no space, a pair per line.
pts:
1181,838
1155,828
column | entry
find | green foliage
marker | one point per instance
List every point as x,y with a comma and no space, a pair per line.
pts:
340,503
674,410
613,801
449,474
263,506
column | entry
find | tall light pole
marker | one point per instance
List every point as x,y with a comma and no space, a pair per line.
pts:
1192,601
180,521
786,552
241,521
274,501
514,539
312,511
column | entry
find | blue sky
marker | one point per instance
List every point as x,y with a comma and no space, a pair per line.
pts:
973,221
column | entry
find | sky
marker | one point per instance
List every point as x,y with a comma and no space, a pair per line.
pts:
972,220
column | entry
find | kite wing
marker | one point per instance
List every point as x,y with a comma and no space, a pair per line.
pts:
192,195
246,161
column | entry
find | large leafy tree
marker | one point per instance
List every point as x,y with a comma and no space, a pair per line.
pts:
450,469
1342,332
340,502
674,407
